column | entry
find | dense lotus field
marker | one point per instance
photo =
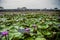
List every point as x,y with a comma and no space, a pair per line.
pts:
29,27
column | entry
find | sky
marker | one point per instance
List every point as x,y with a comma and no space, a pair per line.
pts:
32,4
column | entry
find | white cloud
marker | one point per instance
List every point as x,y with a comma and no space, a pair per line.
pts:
28,3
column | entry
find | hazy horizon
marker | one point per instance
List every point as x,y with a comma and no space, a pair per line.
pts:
34,4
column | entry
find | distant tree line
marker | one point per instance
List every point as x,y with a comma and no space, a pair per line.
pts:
1,8
23,8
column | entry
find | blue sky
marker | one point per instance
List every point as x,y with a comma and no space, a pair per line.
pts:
39,4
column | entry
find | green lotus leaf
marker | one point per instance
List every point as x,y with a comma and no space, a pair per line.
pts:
43,26
46,32
30,38
40,39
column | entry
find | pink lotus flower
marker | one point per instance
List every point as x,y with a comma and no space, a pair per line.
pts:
27,30
4,33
